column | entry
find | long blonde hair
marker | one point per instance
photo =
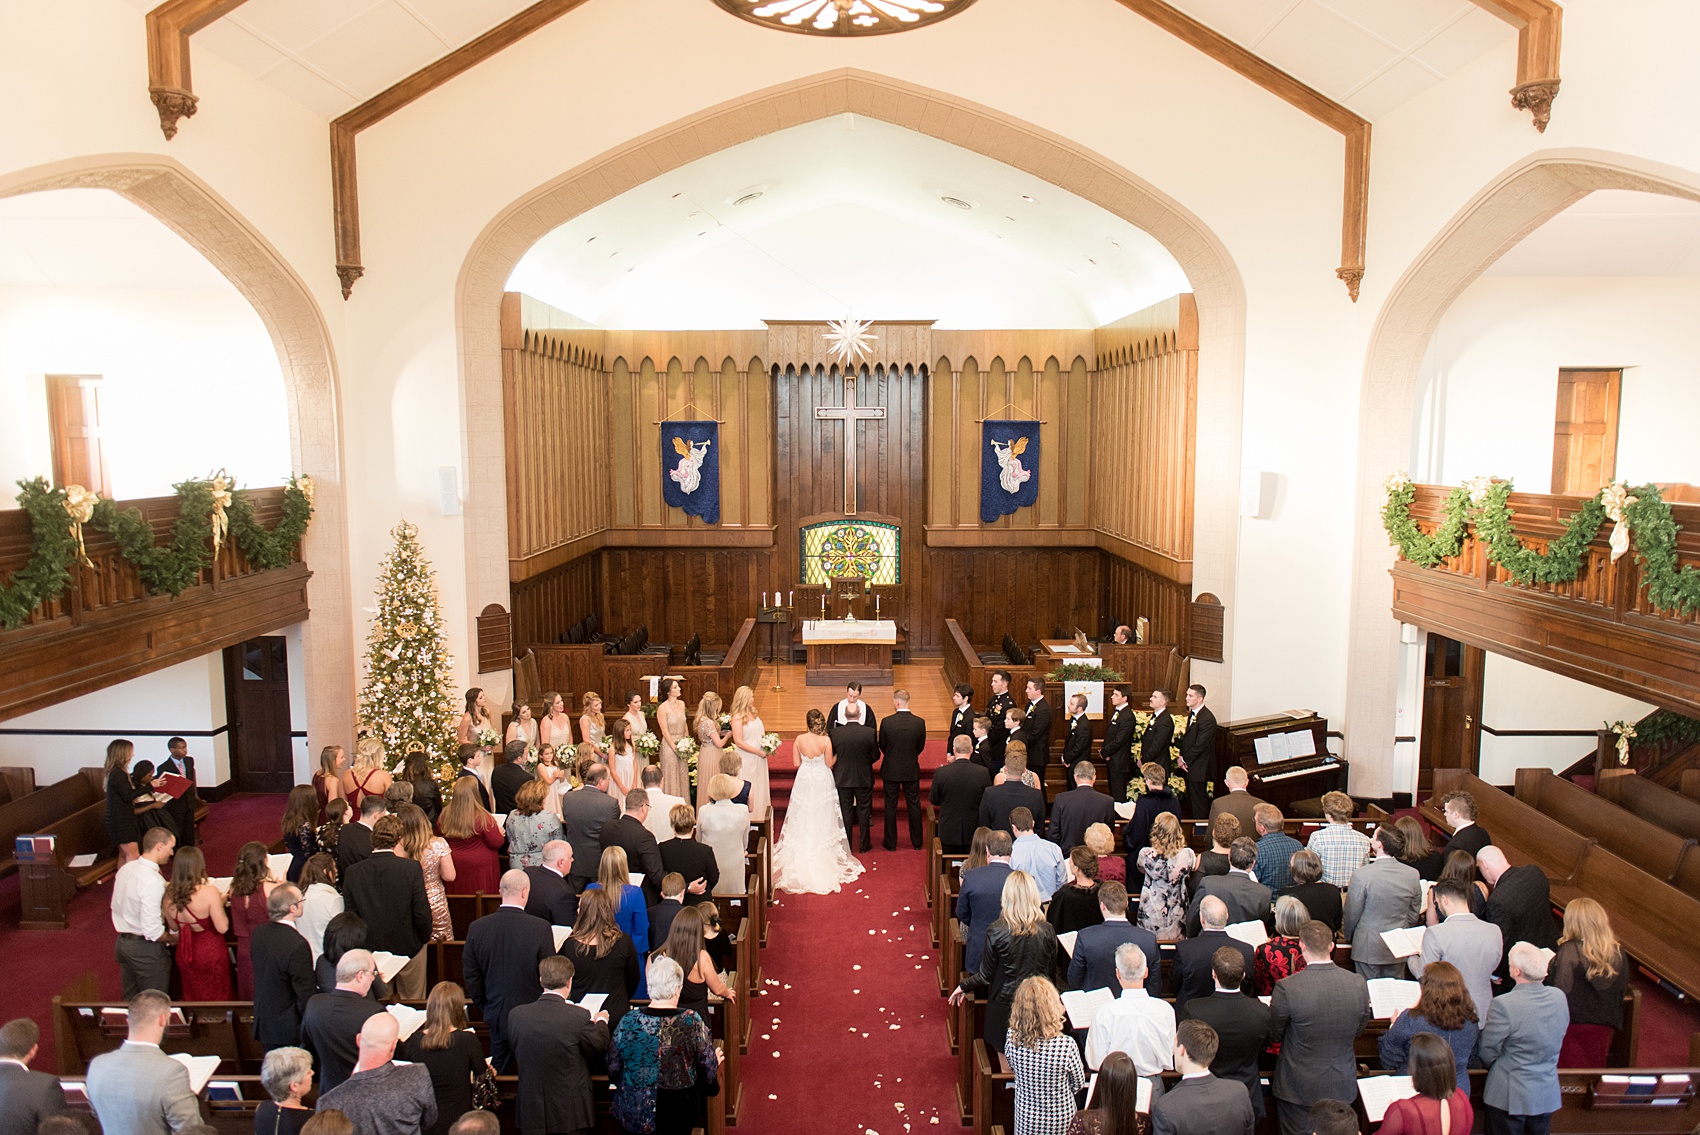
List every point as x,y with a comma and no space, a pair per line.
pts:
461,818
1585,921
1166,838
415,831
1023,909
1037,1014
743,704
614,872
584,710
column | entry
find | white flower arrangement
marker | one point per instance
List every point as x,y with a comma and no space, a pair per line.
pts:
1479,488
648,744
489,738
770,743
1397,483
725,721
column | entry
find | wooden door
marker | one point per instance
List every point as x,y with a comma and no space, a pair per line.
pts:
256,687
1452,709
1584,432
73,415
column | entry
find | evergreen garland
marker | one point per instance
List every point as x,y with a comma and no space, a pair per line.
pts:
267,550
53,550
1082,672
168,569
1414,544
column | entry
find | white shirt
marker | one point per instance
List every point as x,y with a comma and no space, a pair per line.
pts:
319,905
136,897
1138,1024
840,712
660,818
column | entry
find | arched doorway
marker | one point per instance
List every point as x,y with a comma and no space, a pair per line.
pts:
291,316
1216,285
1502,214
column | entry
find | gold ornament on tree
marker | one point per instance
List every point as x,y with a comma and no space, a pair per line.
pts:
79,506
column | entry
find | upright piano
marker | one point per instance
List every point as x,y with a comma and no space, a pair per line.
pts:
1285,753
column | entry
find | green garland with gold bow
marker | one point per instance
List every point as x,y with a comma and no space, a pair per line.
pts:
206,510
1643,517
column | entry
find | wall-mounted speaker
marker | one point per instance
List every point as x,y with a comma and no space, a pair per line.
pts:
1257,494
448,490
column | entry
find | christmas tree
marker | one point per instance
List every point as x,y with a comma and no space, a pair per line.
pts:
408,700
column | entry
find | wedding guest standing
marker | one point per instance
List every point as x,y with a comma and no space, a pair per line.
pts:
320,901
1113,1107
1074,905
387,890
747,732
1201,1103
436,862
1442,1103
584,813
1165,865
725,827
122,831
1046,1063
556,726
1521,1040
684,944
1019,945
671,728
251,885
631,908
955,794
287,1076
1102,842
502,953
1321,901
1385,895
26,1097
136,1089
195,909
444,1044
508,776
383,1097
300,825
1281,956
1443,1009
1591,969
663,1059
474,840
556,1044
1316,1014
591,725
367,776
604,960
327,782
712,739
475,721
530,825
282,971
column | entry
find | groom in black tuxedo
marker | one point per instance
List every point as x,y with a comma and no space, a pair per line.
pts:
902,736
856,747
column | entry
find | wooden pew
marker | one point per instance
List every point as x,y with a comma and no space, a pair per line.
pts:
1672,811
1652,919
1690,784
27,812
1661,853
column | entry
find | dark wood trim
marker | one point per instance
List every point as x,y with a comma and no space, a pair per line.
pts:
978,536
1354,221
1155,562
1492,732
1540,27
722,536
169,27
345,188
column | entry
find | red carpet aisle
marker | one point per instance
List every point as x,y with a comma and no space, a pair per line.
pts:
40,963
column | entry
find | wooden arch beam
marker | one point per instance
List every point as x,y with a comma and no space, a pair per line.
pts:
345,184
1354,220
169,27
1539,25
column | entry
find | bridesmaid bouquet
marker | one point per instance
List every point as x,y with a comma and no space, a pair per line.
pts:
725,721
687,748
769,743
648,744
489,738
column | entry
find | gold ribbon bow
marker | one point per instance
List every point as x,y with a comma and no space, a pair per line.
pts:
221,500
1616,497
79,507
304,484
1624,731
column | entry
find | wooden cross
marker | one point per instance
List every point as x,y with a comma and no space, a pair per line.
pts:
849,414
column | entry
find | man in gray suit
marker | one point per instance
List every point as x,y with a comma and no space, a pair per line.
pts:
1520,1042
1385,894
1201,1104
137,1089
1247,899
26,1096
1316,1014
1461,938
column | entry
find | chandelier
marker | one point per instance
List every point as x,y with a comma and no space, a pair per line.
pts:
844,17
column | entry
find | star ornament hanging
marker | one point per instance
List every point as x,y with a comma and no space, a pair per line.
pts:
850,341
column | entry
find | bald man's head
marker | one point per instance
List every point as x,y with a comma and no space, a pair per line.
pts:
377,1041
1213,913
1492,863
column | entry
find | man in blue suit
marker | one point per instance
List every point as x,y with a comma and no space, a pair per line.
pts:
1093,965
1520,1042
981,900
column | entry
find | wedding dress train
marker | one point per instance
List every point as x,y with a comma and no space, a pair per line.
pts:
813,854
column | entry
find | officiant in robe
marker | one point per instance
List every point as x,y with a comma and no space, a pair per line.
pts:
856,748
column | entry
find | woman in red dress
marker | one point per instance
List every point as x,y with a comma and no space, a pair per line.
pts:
327,782
1281,956
195,909
250,884
474,839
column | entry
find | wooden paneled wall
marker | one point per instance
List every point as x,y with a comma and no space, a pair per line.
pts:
556,422
1052,387
545,605
1131,591
1144,415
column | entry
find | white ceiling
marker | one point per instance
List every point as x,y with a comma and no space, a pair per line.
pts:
93,238
1612,232
1372,55
850,220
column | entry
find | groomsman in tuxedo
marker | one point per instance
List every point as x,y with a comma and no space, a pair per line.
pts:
999,704
857,748
1118,743
982,749
1198,752
1035,730
1154,746
852,708
1077,742
902,736
956,792
178,762
962,716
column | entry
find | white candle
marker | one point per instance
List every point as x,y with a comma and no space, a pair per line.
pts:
790,598
764,599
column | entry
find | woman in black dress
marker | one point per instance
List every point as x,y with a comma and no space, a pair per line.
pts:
125,804
452,1055
417,771
604,960
345,932
1075,905
685,945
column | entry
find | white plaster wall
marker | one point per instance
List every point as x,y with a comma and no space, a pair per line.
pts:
1491,376
180,368
186,698
1516,695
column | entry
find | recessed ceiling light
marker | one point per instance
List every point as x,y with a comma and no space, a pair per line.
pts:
613,254
1008,218
955,202
704,232
1029,200
1115,243
675,196
1092,262
592,240
752,195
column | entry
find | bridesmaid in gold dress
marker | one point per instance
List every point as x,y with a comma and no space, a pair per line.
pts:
713,739
670,718
591,726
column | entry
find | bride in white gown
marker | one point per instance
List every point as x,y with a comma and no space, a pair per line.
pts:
813,853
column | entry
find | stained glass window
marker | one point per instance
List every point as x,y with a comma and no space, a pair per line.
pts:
839,548
844,17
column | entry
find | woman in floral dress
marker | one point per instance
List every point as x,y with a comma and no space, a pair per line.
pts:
670,724
1166,864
